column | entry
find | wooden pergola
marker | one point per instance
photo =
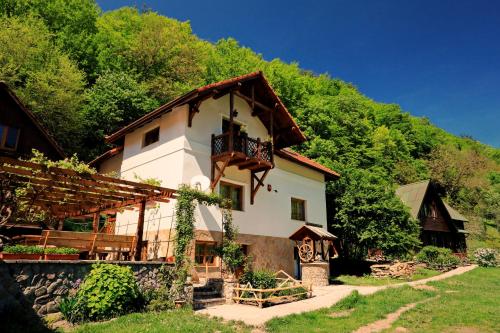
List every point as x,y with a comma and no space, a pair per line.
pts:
65,193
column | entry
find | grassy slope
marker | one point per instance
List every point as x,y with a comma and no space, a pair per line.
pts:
367,280
473,302
164,322
467,301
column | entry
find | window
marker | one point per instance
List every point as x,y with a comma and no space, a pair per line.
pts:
298,209
205,254
8,137
233,192
225,126
151,136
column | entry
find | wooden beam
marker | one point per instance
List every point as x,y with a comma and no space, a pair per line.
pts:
95,222
253,102
139,232
255,187
217,177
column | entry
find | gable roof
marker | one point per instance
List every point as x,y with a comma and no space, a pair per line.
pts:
413,196
316,233
33,119
285,128
300,159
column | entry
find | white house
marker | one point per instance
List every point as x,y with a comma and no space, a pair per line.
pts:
241,154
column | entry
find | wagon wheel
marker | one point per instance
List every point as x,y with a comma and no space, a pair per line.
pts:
306,252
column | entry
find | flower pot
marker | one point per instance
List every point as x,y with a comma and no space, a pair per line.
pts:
171,259
20,256
62,256
179,304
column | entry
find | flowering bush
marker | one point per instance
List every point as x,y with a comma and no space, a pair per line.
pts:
486,257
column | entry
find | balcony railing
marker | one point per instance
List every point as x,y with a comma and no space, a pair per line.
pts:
241,143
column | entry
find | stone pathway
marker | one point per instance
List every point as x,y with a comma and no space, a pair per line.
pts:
322,297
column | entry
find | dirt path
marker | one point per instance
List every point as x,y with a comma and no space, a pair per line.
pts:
323,297
387,322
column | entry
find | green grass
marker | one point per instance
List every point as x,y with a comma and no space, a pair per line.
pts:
466,303
367,280
164,322
366,310
469,301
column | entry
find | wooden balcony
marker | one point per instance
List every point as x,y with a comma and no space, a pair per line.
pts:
242,151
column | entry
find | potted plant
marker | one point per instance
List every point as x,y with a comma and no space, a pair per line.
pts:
15,252
61,253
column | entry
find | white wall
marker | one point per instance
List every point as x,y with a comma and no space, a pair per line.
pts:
184,152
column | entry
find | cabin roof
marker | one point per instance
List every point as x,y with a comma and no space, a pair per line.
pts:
287,132
413,196
108,154
33,119
300,159
315,233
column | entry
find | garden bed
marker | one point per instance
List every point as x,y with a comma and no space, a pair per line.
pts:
287,290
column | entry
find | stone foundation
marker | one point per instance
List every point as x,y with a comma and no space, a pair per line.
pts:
315,273
41,285
228,291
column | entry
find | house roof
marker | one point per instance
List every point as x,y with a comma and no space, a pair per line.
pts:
300,159
286,130
413,196
316,233
33,119
108,154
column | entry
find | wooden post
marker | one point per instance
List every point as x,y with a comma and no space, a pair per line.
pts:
61,224
231,120
139,231
95,222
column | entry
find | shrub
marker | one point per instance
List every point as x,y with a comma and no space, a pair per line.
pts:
108,291
23,249
260,279
485,257
437,257
61,250
156,290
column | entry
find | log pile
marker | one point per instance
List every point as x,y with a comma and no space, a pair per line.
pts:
396,269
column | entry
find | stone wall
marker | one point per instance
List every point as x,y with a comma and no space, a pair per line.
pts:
315,273
41,285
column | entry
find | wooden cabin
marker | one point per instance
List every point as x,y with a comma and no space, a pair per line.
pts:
441,225
20,130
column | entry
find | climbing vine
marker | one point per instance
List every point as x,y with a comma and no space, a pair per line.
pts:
230,251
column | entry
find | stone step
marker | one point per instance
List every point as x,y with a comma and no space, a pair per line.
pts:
208,302
206,294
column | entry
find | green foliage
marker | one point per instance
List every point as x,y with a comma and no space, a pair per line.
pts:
22,249
437,257
45,79
115,100
61,250
260,279
157,291
368,215
486,257
108,291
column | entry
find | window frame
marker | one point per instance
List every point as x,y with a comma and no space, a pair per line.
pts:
298,218
144,144
205,254
3,138
233,186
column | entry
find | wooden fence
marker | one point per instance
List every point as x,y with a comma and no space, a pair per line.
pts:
288,290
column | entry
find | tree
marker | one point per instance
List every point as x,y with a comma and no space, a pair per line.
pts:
369,215
115,100
162,52
45,79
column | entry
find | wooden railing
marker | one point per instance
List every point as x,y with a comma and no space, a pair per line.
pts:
252,148
288,289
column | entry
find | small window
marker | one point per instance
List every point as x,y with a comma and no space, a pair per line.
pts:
9,137
205,254
298,209
233,192
151,136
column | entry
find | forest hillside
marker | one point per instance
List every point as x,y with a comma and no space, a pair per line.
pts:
86,73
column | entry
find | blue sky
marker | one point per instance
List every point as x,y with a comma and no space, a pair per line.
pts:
439,59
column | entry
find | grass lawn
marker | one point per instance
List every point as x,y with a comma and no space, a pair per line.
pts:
468,301
164,322
367,280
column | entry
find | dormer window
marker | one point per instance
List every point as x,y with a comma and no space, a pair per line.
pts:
151,137
9,137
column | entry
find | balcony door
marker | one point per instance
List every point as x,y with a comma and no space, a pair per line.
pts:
225,126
